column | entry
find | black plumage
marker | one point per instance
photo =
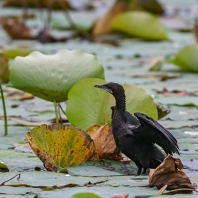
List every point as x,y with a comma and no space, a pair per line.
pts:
136,136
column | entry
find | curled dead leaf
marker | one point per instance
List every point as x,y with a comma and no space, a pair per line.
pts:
169,173
60,145
16,29
104,142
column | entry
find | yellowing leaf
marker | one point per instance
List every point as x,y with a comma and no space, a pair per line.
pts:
60,145
104,142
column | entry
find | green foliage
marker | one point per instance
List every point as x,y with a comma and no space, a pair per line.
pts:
88,106
13,52
3,167
187,58
50,77
140,24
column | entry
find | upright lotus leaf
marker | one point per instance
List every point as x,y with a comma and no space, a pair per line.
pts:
60,145
138,100
50,77
187,58
140,24
88,106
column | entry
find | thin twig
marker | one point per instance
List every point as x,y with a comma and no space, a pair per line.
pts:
62,109
19,175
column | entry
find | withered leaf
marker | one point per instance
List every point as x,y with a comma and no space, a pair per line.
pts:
104,142
60,145
16,29
176,93
169,173
19,95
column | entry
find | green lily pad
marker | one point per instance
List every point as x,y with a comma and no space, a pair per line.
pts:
85,195
13,52
50,77
140,24
88,106
3,167
187,58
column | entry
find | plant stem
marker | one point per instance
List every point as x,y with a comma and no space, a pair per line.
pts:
4,111
56,112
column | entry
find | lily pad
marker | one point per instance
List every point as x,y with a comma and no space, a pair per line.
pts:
85,195
88,106
13,52
3,167
50,77
60,145
187,58
140,24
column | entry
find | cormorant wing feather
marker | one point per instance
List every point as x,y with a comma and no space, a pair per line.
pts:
153,132
130,119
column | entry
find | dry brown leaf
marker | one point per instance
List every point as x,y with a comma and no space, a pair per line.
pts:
104,142
4,69
176,93
170,173
103,25
16,29
18,95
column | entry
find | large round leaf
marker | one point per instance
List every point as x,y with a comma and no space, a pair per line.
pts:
88,106
138,100
140,24
50,77
187,58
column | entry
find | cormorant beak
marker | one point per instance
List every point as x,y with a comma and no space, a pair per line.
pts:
104,87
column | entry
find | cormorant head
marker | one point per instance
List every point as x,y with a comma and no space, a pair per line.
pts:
112,88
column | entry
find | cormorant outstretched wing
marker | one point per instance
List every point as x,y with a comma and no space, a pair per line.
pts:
152,132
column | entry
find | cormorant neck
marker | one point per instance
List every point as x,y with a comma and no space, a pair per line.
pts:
120,101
